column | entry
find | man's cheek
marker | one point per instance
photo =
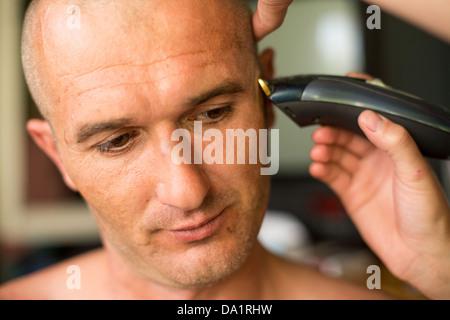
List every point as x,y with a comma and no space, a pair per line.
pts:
109,184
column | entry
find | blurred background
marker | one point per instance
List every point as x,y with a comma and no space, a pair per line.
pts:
42,221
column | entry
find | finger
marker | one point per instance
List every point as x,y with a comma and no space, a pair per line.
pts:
408,161
416,179
337,155
269,16
354,74
333,175
354,143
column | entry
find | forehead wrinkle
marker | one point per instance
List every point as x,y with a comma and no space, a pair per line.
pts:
125,64
102,87
83,81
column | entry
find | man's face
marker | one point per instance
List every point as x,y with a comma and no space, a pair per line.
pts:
122,91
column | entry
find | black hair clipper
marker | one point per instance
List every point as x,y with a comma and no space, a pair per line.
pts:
338,101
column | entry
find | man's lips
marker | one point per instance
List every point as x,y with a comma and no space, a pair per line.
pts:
197,230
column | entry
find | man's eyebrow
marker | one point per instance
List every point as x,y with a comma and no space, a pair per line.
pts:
89,130
231,87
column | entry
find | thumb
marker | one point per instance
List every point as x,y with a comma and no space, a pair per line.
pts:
269,16
398,144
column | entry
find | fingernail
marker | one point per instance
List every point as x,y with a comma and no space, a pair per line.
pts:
372,121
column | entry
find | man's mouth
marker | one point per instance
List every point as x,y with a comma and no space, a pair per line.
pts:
199,230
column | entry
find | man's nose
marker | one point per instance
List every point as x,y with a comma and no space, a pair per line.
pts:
183,186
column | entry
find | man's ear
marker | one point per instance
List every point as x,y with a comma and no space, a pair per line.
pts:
266,64
42,134
267,72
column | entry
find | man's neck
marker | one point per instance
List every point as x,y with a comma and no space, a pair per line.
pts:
248,282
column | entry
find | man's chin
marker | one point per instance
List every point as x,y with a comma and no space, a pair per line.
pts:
203,267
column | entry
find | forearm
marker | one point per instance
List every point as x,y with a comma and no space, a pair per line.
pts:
432,15
430,271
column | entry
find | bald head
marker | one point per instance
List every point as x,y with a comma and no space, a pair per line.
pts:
66,38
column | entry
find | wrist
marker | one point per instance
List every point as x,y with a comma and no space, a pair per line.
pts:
432,277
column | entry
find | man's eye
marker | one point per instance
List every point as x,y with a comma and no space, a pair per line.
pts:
212,116
119,144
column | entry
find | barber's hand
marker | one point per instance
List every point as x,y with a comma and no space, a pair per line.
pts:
392,196
269,16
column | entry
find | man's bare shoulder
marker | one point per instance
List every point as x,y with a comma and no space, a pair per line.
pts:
56,282
298,281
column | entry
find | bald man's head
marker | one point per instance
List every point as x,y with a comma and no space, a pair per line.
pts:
67,37
116,86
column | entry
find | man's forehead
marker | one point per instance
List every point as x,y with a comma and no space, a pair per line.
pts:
171,82
163,88
174,39
158,78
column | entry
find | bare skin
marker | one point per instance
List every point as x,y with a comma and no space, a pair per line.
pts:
432,16
269,15
145,87
263,276
387,186
139,197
